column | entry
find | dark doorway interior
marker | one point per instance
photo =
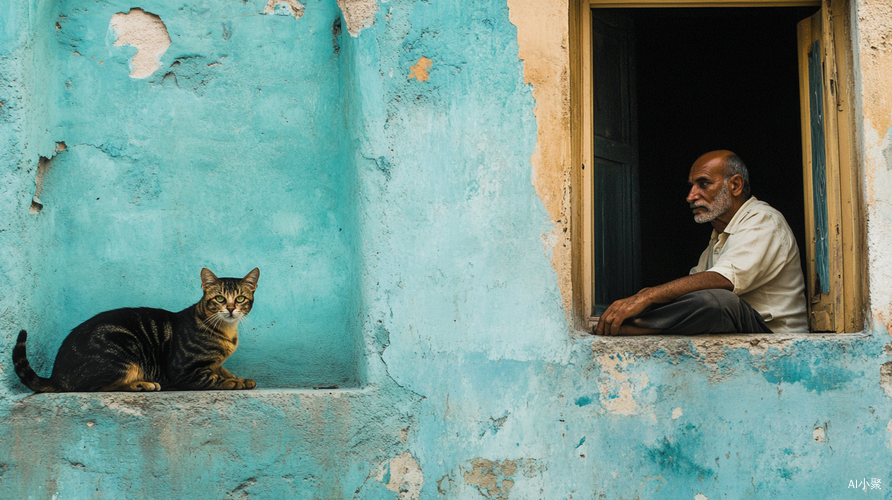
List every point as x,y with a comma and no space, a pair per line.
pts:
717,78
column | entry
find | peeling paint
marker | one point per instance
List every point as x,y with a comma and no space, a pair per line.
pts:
284,8
712,348
542,39
147,33
420,70
495,480
889,428
464,355
886,378
709,349
358,14
402,475
617,387
876,59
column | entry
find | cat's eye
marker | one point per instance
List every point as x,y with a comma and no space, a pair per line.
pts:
240,299
220,299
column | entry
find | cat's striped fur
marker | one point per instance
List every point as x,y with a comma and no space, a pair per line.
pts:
143,349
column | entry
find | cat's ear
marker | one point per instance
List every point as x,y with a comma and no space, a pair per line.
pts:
251,279
208,279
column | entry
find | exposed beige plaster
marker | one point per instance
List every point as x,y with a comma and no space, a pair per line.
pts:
406,477
886,378
875,58
676,413
707,348
617,386
878,176
889,428
819,434
358,14
147,33
542,39
875,35
293,6
495,480
420,70
711,349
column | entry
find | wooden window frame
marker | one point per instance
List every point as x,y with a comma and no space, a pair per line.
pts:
847,247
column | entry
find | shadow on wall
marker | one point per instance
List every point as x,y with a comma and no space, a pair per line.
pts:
185,141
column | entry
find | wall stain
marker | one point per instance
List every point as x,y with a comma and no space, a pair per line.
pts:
583,401
811,373
671,456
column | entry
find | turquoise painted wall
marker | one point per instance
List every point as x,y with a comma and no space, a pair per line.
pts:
420,282
232,155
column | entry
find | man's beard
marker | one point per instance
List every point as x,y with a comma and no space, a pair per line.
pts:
720,205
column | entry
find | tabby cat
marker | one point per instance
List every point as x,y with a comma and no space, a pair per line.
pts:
143,349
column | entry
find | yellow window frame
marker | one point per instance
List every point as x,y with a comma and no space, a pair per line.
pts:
840,310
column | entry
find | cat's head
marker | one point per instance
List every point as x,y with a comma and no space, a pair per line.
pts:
228,299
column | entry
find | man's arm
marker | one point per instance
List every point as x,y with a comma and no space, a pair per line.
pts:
622,309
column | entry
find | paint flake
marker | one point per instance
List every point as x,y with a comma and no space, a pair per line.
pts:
147,33
494,479
402,475
618,388
288,7
420,70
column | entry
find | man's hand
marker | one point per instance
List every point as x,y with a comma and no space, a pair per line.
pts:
612,319
611,322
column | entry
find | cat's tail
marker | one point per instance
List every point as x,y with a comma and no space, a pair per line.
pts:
23,368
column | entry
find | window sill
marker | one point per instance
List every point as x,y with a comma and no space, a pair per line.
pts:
755,342
135,403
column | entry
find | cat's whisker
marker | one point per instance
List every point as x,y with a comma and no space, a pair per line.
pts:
245,321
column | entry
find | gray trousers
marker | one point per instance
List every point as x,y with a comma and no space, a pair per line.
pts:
703,311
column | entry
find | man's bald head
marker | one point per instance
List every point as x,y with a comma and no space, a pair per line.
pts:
719,187
733,166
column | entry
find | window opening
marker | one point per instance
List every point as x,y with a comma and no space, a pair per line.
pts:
691,80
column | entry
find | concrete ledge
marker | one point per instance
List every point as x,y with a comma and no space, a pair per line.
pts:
712,348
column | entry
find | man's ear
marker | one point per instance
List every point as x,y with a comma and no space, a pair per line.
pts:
735,185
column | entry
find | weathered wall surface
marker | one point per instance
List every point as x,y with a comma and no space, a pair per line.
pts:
408,159
195,135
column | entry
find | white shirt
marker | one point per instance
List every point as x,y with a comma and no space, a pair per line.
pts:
758,254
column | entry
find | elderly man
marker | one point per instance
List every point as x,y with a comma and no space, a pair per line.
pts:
748,280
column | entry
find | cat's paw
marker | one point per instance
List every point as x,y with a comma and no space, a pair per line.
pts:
238,383
146,386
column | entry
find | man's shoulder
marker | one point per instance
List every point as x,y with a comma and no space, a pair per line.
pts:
758,211
760,216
